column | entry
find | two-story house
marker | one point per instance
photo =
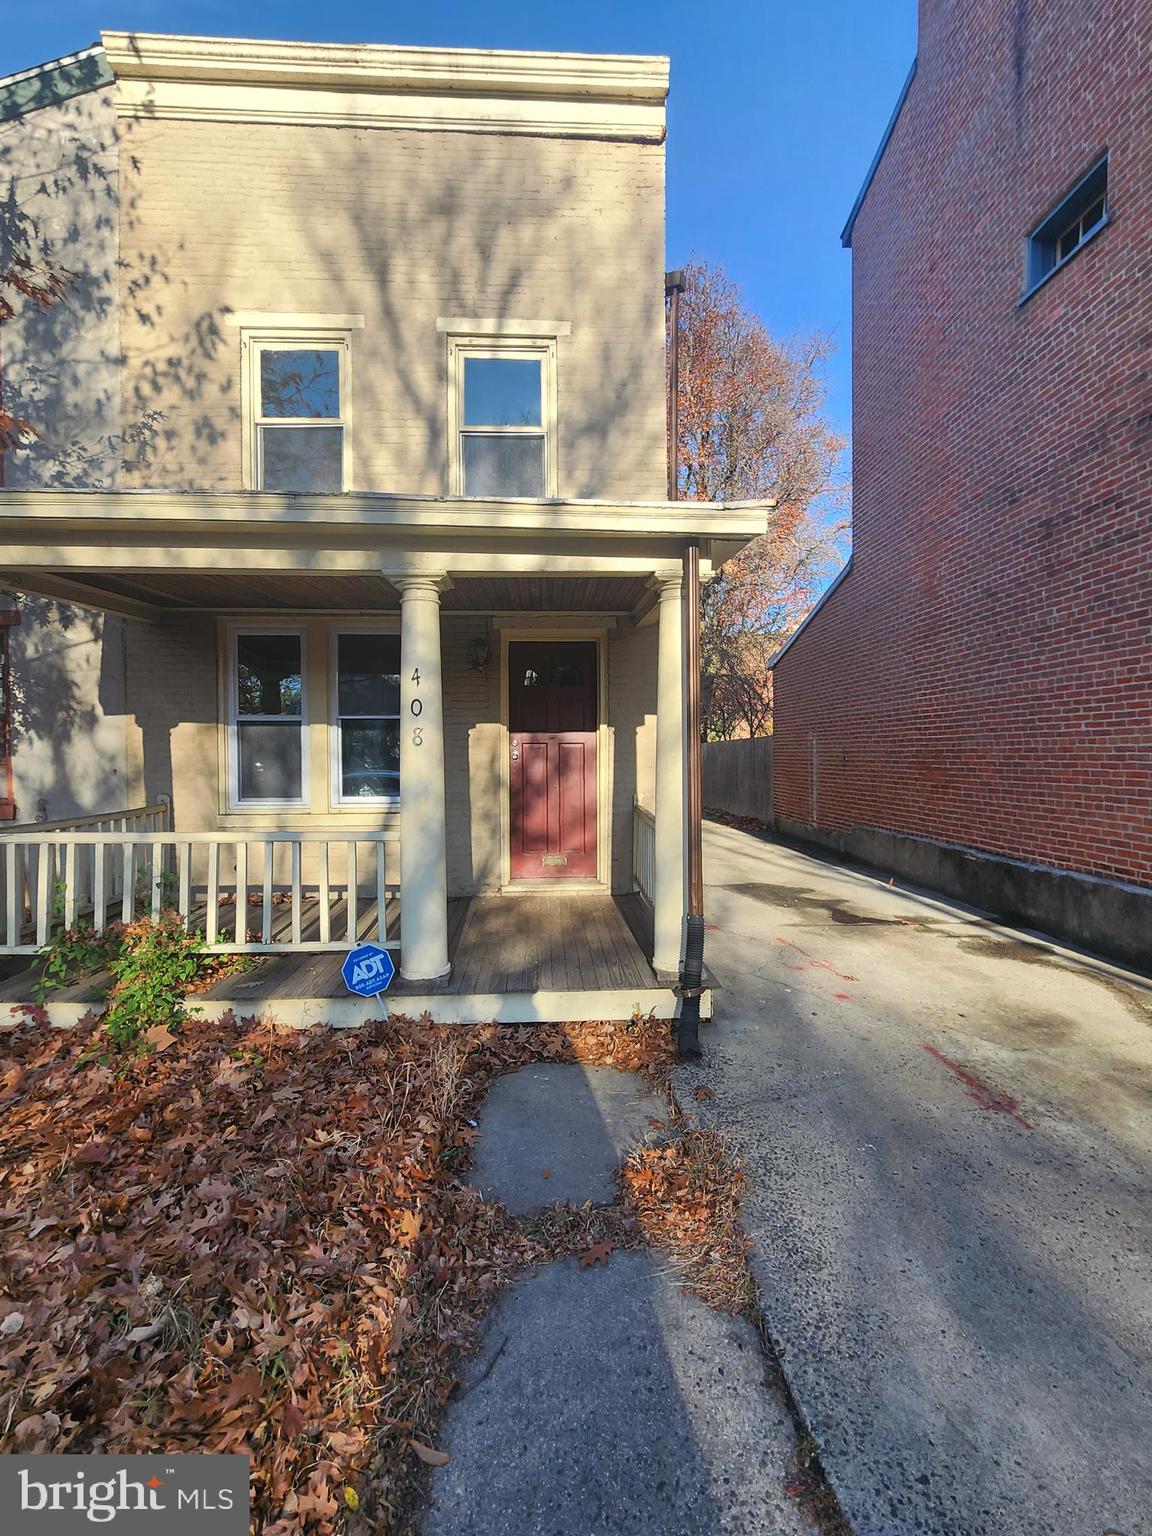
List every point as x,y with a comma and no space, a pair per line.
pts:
369,355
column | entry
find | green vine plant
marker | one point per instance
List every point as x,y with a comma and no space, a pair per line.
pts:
72,954
153,969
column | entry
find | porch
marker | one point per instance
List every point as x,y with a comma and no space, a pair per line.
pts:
290,663
515,958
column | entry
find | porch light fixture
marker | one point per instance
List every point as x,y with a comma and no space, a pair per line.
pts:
480,655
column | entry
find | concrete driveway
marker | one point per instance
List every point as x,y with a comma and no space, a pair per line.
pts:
948,1131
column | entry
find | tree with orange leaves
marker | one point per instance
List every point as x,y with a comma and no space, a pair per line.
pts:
751,429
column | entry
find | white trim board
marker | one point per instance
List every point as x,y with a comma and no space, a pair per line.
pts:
444,1008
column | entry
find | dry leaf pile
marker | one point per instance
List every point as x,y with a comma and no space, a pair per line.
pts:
257,1240
686,1199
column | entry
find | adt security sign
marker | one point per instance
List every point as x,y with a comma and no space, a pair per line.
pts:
368,970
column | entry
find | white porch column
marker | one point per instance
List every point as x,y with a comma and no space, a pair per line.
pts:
423,849
670,861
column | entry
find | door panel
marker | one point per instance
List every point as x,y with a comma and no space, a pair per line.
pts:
552,711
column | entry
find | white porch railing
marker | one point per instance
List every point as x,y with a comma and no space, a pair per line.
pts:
267,893
643,851
140,818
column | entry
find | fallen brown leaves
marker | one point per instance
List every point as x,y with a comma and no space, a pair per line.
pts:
258,1241
686,1199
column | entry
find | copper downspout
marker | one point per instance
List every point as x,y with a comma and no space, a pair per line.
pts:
692,964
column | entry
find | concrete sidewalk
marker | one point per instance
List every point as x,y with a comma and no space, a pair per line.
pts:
603,1398
948,1132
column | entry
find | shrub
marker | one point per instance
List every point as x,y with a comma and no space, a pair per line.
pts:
154,967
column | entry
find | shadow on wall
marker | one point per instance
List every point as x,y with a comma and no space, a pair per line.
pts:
68,708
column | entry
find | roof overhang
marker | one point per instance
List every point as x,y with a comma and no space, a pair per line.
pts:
363,511
52,540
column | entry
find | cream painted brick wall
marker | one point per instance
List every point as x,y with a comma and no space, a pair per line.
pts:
473,744
401,226
172,735
632,716
60,372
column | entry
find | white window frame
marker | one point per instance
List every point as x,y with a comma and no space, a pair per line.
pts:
302,336
235,803
340,801
540,349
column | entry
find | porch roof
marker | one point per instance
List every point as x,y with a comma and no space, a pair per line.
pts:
381,511
143,553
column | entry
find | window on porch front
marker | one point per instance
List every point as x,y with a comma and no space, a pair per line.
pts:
267,728
366,717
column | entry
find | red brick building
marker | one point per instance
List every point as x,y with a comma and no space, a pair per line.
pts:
971,706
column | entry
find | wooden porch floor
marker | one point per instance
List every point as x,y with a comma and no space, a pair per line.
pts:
496,944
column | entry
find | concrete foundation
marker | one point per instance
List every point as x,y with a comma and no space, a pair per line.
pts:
1105,916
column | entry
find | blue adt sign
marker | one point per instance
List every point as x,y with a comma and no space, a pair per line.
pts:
368,970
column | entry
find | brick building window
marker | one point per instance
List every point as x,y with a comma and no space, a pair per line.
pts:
1079,215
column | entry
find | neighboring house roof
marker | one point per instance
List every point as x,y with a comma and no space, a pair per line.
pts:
846,232
801,627
57,80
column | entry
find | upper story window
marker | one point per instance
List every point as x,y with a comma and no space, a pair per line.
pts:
504,419
1079,215
298,413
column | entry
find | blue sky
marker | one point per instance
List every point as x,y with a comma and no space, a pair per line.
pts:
776,109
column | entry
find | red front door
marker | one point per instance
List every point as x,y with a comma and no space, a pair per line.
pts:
552,715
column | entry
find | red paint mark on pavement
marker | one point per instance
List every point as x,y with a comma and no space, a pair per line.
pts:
842,997
812,960
983,1094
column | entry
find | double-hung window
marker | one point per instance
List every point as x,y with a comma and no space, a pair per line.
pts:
366,716
504,431
268,708
298,392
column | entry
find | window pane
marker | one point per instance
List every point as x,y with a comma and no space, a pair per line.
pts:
300,383
268,676
1094,215
369,674
269,760
501,392
303,459
503,466
369,758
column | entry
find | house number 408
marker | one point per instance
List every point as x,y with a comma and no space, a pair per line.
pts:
417,708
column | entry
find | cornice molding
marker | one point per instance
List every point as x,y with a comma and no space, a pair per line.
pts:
459,90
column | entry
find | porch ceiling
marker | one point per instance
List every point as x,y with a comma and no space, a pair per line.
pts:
159,593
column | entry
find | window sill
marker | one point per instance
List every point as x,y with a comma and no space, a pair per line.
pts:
1060,265
300,818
